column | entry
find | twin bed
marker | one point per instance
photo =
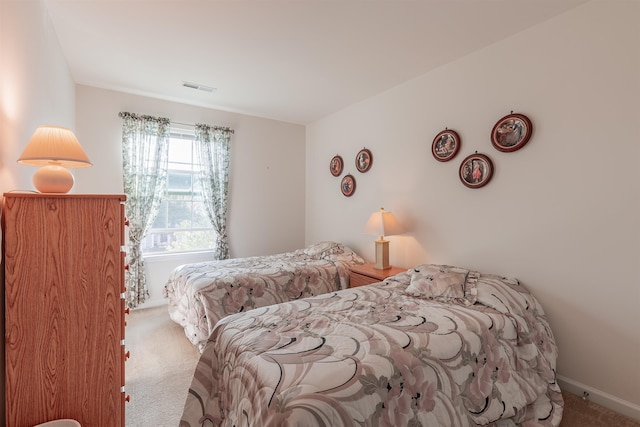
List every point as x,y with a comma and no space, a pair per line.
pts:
434,346
202,293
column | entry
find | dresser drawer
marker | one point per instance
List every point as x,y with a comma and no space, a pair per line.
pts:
367,274
356,279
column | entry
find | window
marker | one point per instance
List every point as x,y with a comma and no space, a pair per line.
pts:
182,224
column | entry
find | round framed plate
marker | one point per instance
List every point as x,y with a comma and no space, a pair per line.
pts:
445,145
476,170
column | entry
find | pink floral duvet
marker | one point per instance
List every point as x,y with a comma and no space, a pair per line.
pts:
378,356
202,293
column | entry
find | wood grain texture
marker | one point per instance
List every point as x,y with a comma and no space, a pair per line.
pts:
64,312
367,274
356,280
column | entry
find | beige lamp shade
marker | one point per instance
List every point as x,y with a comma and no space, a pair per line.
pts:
382,223
54,149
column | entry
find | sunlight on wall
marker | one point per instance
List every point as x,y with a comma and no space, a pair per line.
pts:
11,80
9,108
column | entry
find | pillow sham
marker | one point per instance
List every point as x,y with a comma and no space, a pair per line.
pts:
344,254
320,249
443,283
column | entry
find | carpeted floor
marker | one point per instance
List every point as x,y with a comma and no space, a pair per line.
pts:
581,413
158,376
158,373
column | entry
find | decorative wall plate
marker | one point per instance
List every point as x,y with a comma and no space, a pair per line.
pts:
445,145
364,159
476,170
348,185
336,165
511,132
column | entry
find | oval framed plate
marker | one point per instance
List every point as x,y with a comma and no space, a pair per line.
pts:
336,165
348,185
511,132
364,159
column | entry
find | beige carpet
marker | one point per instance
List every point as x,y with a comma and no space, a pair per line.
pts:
581,413
158,373
162,360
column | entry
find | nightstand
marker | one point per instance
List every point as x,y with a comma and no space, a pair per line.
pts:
367,274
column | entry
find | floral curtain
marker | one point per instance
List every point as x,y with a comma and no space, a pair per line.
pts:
145,149
212,151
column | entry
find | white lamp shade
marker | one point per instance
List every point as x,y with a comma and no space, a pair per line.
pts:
54,149
383,223
54,145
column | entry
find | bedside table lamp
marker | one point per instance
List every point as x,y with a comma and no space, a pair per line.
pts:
382,223
54,149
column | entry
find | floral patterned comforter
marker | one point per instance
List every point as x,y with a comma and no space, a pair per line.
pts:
378,356
202,293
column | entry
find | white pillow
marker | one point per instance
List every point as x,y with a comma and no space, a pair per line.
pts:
343,253
320,249
443,283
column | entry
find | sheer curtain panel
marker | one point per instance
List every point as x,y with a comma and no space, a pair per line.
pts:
145,147
212,150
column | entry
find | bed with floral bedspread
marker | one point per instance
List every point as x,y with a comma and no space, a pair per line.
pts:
202,293
435,346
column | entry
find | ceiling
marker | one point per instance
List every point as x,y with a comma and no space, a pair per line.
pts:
295,61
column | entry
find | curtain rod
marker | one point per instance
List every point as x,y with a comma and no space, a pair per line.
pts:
228,129
222,128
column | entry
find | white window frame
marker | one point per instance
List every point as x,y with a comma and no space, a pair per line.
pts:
178,132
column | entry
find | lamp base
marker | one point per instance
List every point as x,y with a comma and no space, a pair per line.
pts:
382,255
53,179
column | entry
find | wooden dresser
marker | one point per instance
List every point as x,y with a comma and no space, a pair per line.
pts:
64,312
367,274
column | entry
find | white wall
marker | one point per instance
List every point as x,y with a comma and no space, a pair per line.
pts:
562,214
266,183
35,89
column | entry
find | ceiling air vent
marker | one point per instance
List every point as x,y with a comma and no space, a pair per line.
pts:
199,87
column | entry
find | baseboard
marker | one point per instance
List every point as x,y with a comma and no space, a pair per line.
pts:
607,400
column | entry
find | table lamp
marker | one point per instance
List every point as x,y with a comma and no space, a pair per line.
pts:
54,149
382,223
